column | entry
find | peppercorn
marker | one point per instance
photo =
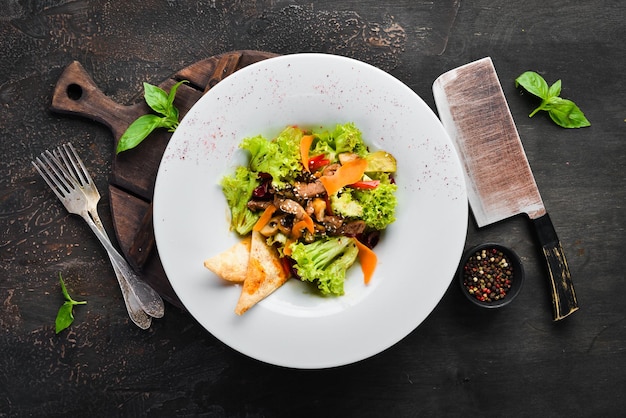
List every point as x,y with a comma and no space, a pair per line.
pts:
487,275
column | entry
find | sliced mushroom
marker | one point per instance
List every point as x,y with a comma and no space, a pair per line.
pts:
279,223
308,208
345,157
285,223
290,206
330,170
270,229
319,209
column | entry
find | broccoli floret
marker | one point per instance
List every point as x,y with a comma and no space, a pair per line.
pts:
376,207
344,204
325,262
279,158
238,189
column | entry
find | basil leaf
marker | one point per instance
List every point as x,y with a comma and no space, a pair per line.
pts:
542,106
163,104
563,112
138,131
66,294
156,98
566,114
172,95
533,83
555,89
172,117
172,127
65,317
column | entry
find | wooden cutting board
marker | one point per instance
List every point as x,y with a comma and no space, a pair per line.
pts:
131,185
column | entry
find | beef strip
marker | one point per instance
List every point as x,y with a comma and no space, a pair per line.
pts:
308,190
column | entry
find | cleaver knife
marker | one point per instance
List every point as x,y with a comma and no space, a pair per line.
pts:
475,113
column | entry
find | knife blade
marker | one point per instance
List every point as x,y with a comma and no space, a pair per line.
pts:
474,111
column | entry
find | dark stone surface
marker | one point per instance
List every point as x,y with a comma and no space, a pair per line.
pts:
461,361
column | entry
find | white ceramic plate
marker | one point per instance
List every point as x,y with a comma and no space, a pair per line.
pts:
418,254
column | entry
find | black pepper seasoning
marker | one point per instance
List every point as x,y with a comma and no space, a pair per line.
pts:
488,275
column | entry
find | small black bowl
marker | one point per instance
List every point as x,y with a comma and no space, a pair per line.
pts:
495,267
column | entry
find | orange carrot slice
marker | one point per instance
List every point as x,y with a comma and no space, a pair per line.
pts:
287,249
310,225
305,144
296,230
306,222
265,218
368,260
348,173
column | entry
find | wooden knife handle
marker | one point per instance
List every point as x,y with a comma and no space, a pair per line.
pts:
563,296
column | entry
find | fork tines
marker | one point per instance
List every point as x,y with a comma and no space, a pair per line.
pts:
53,172
73,163
61,169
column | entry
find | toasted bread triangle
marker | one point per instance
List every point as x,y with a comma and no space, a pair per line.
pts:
232,264
265,274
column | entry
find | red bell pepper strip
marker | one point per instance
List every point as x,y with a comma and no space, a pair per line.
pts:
318,162
365,184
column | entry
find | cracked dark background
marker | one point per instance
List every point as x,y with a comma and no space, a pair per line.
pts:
459,361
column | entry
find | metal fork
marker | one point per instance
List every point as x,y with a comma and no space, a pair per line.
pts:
140,308
67,176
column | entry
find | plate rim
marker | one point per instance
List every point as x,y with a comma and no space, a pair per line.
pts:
272,61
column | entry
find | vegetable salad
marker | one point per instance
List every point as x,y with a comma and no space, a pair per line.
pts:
321,197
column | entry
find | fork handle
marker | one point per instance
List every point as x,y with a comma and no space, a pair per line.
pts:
147,297
135,311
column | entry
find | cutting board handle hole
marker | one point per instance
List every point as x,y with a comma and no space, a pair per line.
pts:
74,91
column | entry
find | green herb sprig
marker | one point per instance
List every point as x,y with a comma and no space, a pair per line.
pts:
65,316
563,112
163,104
